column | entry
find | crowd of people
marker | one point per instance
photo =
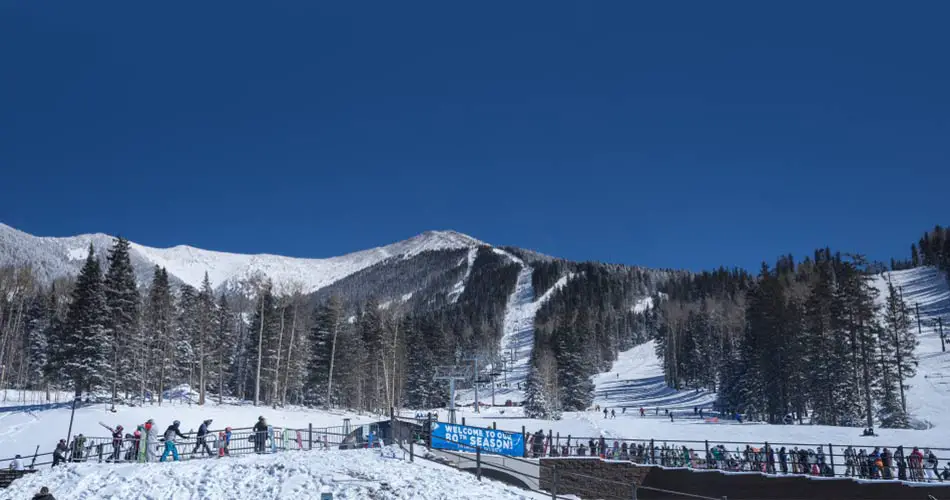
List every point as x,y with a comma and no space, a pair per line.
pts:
920,466
147,444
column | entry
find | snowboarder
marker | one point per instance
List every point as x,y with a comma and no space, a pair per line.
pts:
169,437
59,453
260,435
200,438
44,494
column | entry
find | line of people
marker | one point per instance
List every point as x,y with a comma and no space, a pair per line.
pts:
144,443
917,466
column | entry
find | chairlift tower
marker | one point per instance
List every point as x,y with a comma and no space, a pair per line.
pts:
452,374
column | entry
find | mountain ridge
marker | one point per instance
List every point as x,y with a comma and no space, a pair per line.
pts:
54,257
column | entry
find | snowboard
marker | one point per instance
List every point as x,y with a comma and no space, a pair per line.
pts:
299,440
287,440
221,444
270,435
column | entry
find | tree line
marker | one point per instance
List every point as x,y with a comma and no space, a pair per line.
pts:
102,332
800,338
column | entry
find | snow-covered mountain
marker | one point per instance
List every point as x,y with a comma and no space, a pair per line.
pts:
53,257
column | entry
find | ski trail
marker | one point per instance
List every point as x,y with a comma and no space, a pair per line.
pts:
925,289
517,340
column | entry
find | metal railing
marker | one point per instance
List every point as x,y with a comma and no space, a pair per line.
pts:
550,476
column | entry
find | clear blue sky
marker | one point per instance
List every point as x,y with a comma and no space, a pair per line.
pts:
673,134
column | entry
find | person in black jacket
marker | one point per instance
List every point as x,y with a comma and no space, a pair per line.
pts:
260,435
59,454
44,494
200,441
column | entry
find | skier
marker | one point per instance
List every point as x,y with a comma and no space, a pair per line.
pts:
151,440
260,435
77,450
169,437
901,464
886,464
16,464
59,454
783,460
613,414
135,442
605,412
671,415
116,441
200,438
915,461
932,473
642,412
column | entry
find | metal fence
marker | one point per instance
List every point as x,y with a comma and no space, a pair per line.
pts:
216,444
856,460
548,480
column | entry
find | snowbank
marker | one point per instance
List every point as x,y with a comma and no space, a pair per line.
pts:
355,474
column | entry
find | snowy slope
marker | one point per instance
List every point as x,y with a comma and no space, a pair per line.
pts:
928,399
636,379
350,474
55,257
517,341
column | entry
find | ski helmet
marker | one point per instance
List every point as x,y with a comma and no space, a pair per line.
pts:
176,423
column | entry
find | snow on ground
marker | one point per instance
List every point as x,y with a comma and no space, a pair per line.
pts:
642,305
636,379
350,474
928,399
21,432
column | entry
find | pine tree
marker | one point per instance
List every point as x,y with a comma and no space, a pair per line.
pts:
328,322
39,322
205,329
185,336
122,303
160,363
536,404
223,345
82,350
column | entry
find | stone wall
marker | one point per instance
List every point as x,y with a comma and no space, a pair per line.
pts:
591,477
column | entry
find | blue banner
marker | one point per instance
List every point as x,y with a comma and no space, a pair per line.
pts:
465,438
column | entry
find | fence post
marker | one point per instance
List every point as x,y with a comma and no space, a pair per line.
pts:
478,462
550,442
557,445
99,451
709,458
310,436
554,487
463,420
429,429
831,458
494,425
652,453
768,464
634,491
412,456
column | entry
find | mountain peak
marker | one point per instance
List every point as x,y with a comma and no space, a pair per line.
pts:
53,257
